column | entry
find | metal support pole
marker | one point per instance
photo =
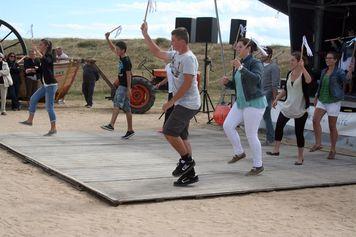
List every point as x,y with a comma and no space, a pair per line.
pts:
318,29
204,93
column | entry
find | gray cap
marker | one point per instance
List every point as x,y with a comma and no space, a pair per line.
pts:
1,55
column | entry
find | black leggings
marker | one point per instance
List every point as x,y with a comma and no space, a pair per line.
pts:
299,124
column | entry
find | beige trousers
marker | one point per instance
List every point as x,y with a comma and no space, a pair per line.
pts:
3,93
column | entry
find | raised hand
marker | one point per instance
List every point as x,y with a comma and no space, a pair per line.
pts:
144,28
236,63
224,80
301,63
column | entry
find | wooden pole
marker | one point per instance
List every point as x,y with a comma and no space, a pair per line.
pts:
341,38
222,93
148,5
238,34
115,29
221,43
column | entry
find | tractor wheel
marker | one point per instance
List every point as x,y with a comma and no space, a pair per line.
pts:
142,95
11,40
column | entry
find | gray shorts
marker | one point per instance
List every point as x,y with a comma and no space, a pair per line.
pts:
121,100
178,122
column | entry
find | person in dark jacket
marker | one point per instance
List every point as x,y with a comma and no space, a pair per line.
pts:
48,88
270,82
296,91
32,73
328,101
15,74
249,106
90,76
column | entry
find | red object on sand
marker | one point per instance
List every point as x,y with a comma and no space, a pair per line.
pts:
220,113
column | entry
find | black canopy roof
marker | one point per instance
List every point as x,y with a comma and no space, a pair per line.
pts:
317,20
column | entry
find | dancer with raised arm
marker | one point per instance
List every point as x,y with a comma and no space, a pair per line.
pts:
186,100
123,92
48,88
249,106
296,91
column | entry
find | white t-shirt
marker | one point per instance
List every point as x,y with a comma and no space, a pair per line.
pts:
344,65
63,56
182,64
170,78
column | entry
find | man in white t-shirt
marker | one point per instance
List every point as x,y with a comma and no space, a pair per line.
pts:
186,99
60,55
170,81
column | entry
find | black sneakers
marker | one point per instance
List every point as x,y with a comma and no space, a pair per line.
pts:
187,178
107,127
128,135
183,166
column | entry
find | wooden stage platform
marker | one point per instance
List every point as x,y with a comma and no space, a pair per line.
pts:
139,169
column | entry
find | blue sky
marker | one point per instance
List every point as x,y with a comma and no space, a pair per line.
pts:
91,19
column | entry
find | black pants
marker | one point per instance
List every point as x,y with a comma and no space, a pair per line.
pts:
13,92
31,87
299,124
169,111
88,91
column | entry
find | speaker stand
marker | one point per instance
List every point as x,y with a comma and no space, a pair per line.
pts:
207,106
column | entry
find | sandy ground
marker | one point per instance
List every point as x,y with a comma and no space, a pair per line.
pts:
32,203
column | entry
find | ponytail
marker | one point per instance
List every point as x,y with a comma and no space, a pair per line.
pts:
50,49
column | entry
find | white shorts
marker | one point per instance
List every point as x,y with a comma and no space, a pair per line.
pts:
332,109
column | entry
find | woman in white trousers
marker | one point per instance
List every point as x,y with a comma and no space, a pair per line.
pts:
249,106
5,82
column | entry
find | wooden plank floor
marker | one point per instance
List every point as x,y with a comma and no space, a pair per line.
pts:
139,169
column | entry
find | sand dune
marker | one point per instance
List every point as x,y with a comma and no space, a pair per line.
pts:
32,203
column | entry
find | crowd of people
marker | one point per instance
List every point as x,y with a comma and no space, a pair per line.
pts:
256,83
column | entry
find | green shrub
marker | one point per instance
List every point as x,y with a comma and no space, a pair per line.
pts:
163,42
87,44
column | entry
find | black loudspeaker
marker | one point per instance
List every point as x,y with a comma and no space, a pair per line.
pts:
189,24
234,27
207,30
